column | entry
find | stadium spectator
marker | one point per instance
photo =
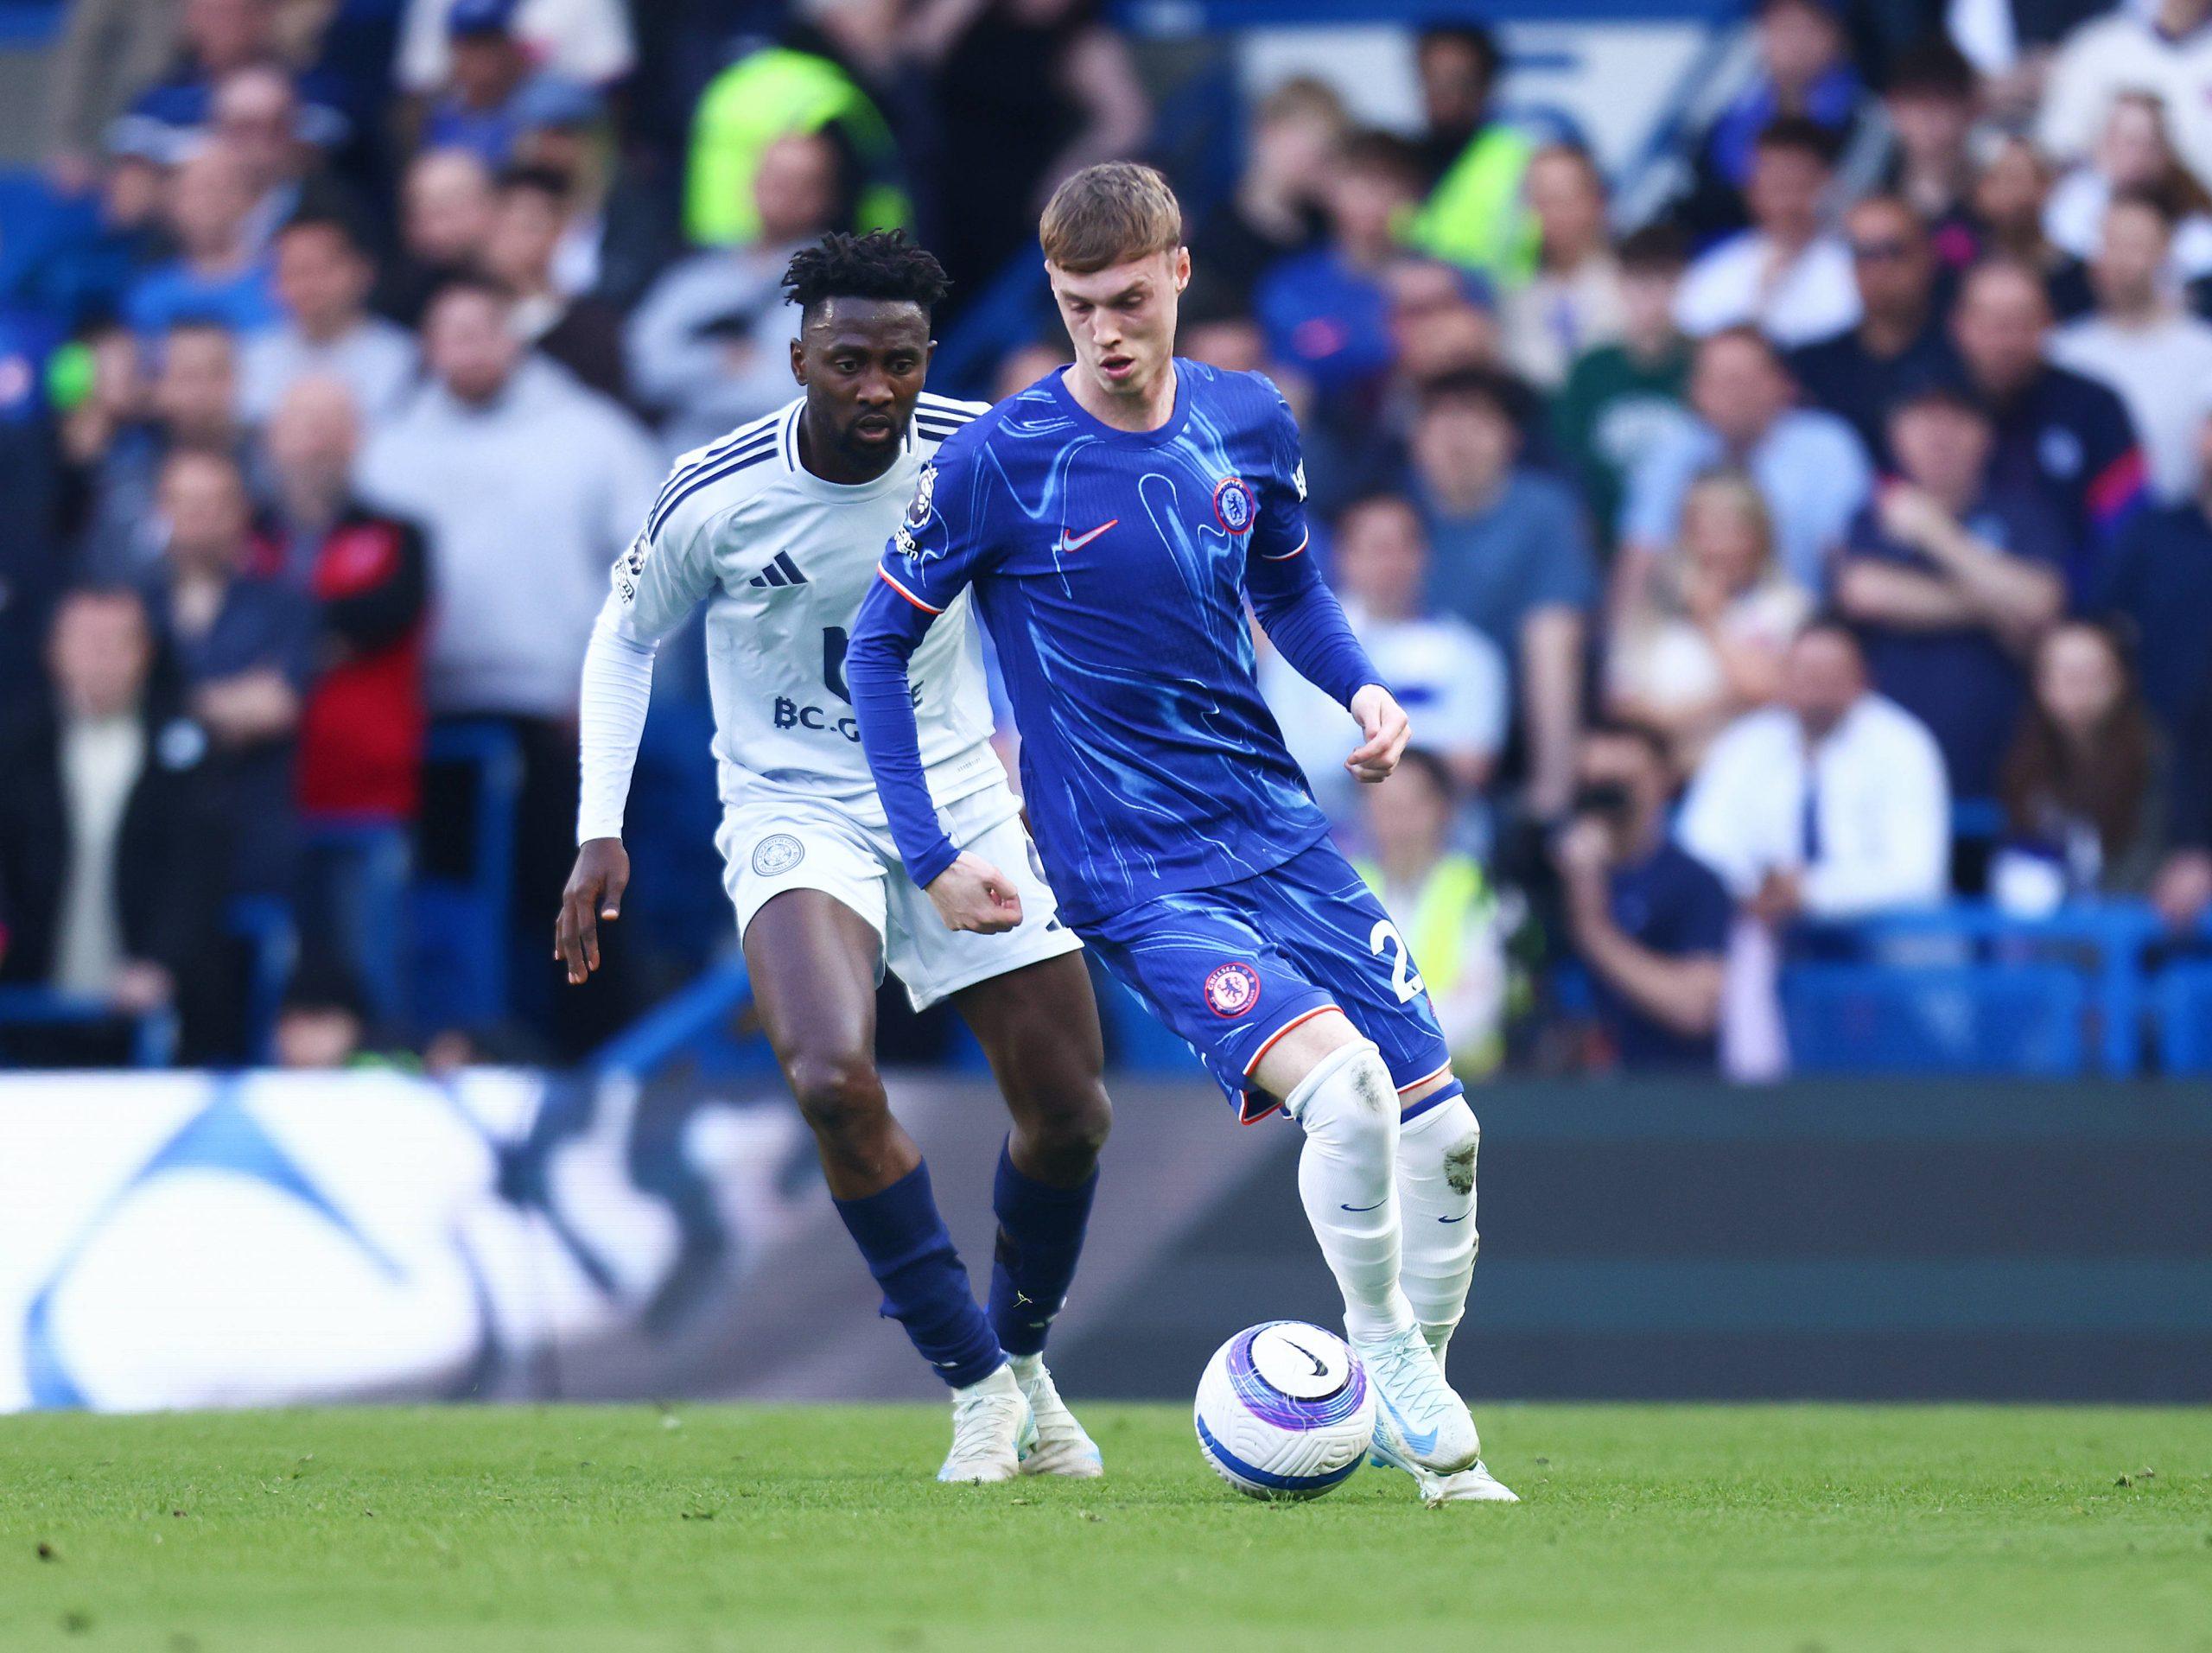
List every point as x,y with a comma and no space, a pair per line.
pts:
1053,70
1950,578
493,89
212,38
447,207
322,1023
1441,322
112,852
1832,806
710,344
2182,891
1929,100
1787,273
1326,312
360,750
2157,585
586,41
2009,196
1511,557
1471,161
118,447
106,52
583,334
1900,340
1702,642
2132,157
1571,302
241,637
2083,786
1443,903
106,245
2010,44
527,486
831,77
1810,468
219,273
1804,77
323,278
1450,678
1621,400
1276,209
257,114
32,568
2067,436
2141,343
1648,921
2161,47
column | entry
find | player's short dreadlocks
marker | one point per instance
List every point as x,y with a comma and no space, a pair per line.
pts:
882,263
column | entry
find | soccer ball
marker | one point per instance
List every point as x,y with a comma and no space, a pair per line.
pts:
1284,1411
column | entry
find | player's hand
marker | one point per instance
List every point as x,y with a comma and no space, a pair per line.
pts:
1382,721
972,894
594,896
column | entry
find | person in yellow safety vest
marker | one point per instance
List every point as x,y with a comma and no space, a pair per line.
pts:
767,95
1474,215
1443,906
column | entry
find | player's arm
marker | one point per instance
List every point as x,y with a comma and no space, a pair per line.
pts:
1304,621
925,566
656,584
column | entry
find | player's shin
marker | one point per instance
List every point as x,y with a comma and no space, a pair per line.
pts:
924,1285
1437,1146
1040,1240
1346,1178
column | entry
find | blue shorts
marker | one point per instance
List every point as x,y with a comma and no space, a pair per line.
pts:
1233,969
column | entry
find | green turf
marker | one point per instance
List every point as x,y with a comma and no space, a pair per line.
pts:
1789,1529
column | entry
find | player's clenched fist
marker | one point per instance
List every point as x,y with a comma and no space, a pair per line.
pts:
1382,721
594,893
972,894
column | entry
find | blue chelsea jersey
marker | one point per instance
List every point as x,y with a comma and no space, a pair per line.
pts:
1111,569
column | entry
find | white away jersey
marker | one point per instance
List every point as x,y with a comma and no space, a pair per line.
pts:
783,559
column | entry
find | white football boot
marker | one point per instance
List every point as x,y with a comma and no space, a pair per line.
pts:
1475,1483
1420,1424
1062,1446
991,1430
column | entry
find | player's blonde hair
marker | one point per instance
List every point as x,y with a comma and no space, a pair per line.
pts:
1108,215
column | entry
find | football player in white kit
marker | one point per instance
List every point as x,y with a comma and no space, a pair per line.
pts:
777,528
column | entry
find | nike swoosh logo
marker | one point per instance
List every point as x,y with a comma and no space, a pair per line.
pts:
1377,1206
1418,1445
1075,543
1320,1369
1461,1218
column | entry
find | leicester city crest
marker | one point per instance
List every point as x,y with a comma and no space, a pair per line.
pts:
1232,504
777,853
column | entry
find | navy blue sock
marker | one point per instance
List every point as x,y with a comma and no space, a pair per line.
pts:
1040,1237
925,1287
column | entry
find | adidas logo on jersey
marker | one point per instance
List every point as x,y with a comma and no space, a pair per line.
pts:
781,572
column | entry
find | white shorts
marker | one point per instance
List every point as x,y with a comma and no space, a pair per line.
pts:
785,843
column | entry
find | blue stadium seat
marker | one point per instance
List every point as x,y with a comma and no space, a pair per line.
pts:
2182,999
1859,1018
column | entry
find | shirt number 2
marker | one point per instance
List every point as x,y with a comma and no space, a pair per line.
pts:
1405,981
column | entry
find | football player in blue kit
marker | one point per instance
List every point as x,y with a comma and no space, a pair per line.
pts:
1110,523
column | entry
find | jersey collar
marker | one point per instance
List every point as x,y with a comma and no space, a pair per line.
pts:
1056,382
898,479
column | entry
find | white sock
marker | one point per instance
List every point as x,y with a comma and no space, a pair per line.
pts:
1349,1111
1436,1190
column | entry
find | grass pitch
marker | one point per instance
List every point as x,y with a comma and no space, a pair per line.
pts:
1791,1528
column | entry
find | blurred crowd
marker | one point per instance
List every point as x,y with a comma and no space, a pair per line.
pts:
1834,539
